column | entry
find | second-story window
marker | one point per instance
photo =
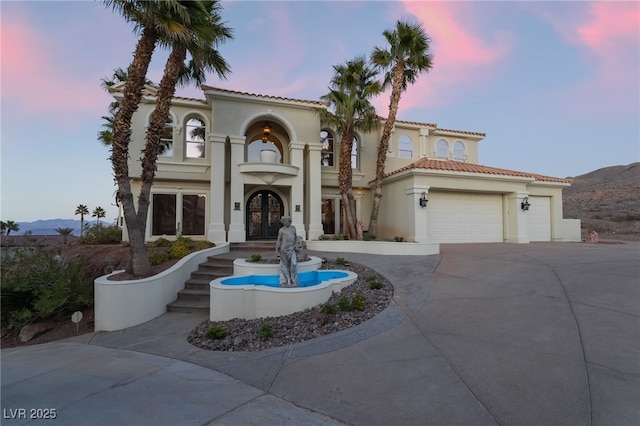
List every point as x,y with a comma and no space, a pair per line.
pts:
442,149
166,138
195,138
327,153
405,147
459,151
355,150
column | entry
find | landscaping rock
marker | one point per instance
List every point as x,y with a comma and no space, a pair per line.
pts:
31,331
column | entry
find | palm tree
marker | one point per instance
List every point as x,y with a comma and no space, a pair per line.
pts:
65,232
156,21
207,32
406,56
350,110
98,213
9,226
81,209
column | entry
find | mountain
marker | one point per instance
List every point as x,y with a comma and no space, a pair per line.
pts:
607,200
49,226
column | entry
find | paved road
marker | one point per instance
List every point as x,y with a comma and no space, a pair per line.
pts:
484,334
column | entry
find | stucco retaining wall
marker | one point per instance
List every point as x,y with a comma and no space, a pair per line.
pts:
374,247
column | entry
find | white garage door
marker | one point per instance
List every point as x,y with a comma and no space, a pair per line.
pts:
459,217
539,219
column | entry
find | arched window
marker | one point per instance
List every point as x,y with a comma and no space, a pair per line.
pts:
459,151
405,147
327,154
166,138
442,149
195,138
355,150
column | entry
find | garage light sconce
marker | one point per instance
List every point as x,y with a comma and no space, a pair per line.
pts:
423,200
525,204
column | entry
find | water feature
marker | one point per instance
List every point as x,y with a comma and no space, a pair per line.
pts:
306,279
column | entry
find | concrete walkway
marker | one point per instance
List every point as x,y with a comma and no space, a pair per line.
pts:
484,334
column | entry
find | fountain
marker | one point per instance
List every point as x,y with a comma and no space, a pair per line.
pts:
269,295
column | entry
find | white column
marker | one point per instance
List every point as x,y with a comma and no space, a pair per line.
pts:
314,193
417,213
216,232
296,158
237,231
517,228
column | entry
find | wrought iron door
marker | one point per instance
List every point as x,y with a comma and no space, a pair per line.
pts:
264,210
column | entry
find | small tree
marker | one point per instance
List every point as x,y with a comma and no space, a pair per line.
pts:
9,226
65,232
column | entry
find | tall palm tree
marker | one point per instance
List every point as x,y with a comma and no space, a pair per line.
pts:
206,32
406,56
98,213
157,21
350,110
81,209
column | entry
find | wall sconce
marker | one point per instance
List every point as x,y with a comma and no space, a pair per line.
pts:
236,206
297,207
525,204
266,131
423,199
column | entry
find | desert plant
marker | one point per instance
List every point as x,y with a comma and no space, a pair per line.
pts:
342,261
216,333
328,309
266,331
179,250
356,303
158,257
202,245
100,234
375,285
255,257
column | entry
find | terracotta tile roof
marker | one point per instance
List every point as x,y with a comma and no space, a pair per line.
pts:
217,89
457,166
414,123
464,132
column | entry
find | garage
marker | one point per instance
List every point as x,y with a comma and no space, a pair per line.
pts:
539,219
460,217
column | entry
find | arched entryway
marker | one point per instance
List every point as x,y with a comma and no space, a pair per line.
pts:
264,210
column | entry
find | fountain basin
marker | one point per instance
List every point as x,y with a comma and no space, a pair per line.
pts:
258,296
244,267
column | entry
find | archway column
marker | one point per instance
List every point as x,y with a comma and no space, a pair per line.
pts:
216,231
237,231
296,156
314,193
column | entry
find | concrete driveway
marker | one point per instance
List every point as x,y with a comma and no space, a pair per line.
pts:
484,334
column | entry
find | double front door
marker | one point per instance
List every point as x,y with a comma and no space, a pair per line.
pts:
264,210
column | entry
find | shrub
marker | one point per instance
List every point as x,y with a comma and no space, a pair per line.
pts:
100,234
323,237
40,286
328,309
162,242
266,331
202,245
158,257
216,333
375,285
255,257
342,261
356,303
179,250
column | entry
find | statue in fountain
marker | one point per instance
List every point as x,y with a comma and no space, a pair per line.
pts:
287,247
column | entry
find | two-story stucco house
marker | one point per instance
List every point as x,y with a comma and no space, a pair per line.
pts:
214,181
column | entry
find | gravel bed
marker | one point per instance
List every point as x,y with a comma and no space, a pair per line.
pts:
334,315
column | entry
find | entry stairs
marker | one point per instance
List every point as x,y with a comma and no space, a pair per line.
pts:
195,297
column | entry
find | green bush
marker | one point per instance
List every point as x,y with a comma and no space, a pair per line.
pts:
162,242
255,257
342,261
375,285
179,249
216,333
41,286
266,331
202,245
158,257
328,309
100,234
356,303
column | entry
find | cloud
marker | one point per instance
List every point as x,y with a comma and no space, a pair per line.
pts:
607,35
463,60
35,81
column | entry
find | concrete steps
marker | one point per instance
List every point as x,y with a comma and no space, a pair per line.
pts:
195,297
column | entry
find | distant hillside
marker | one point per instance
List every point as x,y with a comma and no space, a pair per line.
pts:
49,226
607,200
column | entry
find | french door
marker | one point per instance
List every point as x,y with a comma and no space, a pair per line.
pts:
264,210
